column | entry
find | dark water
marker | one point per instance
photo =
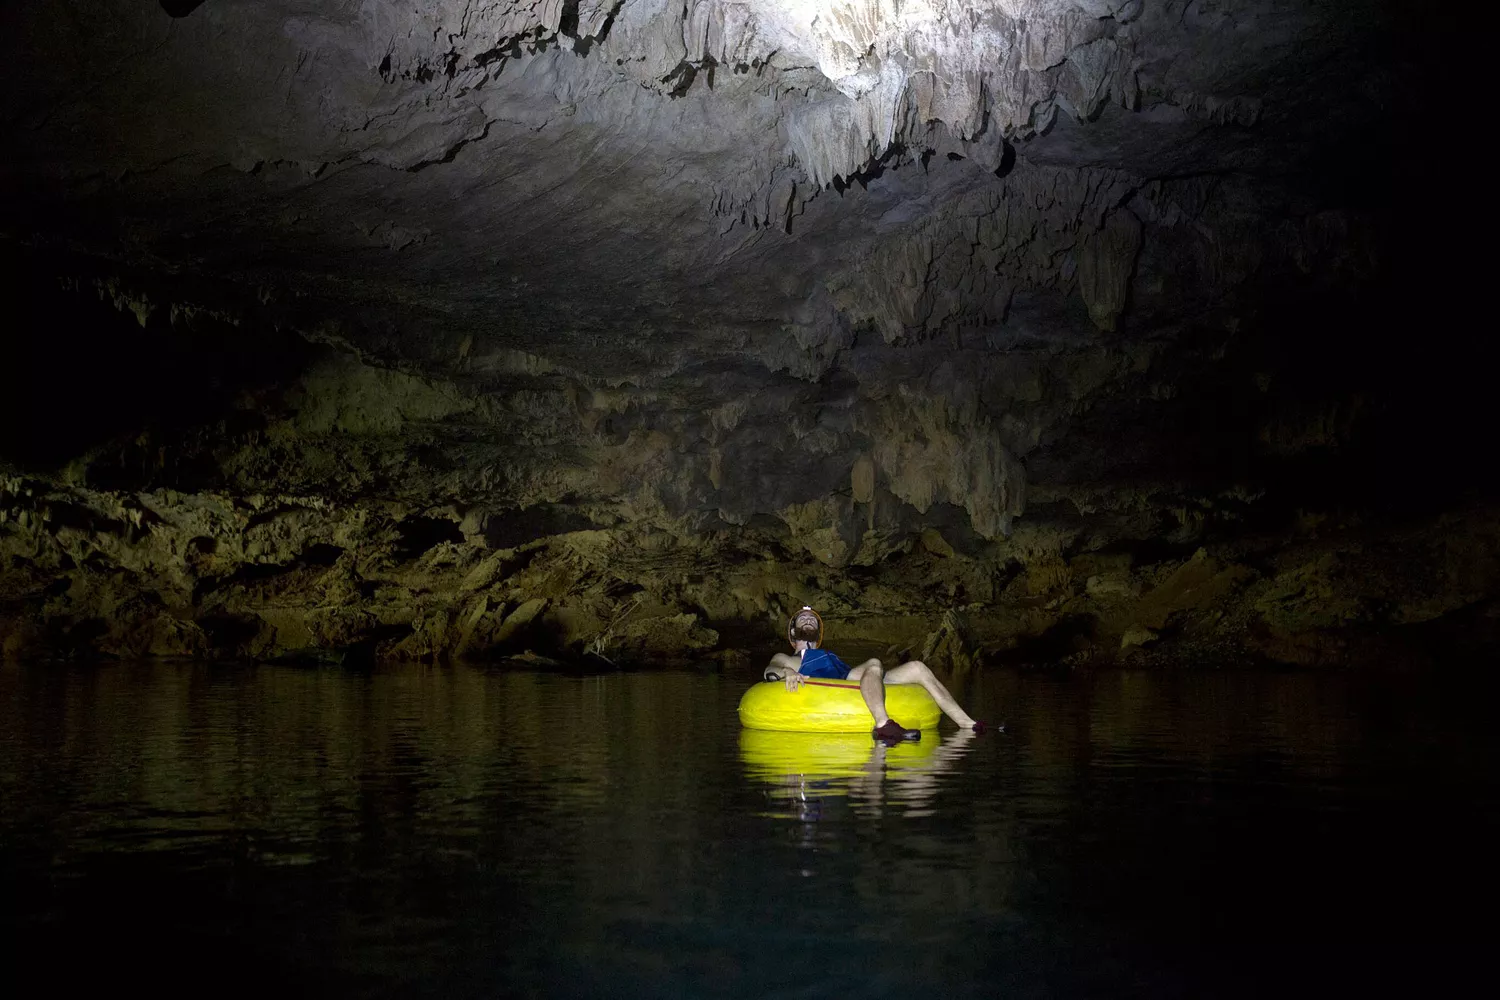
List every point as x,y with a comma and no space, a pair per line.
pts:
483,832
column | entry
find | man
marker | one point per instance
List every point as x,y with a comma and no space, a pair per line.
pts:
805,633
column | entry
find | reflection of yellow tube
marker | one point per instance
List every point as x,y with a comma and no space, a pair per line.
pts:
828,706
771,755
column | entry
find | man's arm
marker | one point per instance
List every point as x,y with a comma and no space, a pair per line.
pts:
783,667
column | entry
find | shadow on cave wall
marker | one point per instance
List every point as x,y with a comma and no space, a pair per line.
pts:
1375,396
180,8
82,372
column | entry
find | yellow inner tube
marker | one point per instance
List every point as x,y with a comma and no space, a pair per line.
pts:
829,706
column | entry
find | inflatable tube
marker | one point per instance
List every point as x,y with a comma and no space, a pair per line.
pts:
775,757
829,706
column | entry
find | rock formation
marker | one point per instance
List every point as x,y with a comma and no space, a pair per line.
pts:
1004,331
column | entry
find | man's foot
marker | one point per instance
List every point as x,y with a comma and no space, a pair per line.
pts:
893,732
981,726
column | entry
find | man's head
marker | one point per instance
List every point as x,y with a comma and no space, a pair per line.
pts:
805,626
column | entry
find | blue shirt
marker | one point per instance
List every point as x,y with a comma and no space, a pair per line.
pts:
822,663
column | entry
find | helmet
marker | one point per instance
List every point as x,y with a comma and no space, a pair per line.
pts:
806,617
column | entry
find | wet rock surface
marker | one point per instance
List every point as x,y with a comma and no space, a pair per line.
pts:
1145,575
1025,331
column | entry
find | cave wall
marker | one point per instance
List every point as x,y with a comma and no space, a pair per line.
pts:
316,505
1076,332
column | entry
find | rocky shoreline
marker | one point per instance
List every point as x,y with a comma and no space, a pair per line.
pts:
103,574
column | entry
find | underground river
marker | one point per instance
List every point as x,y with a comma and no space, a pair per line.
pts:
466,831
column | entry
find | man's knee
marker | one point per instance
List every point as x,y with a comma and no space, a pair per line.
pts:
914,669
872,667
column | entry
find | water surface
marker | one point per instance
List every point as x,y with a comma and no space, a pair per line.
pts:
465,831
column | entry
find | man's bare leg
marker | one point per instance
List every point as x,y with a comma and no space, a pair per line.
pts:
917,672
871,677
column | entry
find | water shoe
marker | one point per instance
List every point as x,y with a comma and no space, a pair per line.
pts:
894,732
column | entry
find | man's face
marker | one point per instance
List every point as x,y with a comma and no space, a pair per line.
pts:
805,626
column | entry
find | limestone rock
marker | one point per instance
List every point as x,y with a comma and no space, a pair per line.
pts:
1107,587
518,619
455,329
1137,635
1106,261
666,636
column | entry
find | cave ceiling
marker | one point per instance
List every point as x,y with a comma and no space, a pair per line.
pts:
764,241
